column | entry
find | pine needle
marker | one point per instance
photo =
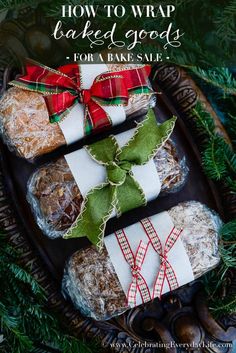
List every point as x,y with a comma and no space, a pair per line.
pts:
24,316
219,77
224,307
214,164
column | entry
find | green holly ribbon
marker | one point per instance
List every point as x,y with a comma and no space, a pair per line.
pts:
120,191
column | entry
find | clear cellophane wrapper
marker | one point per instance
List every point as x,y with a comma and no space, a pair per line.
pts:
24,120
56,200
90,280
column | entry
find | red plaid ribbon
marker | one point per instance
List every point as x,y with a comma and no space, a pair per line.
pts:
166,270
62,89
135,261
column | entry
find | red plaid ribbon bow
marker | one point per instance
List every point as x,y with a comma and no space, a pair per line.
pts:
166,270
62,89
138,282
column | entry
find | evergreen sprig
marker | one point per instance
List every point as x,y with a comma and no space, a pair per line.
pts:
204,121
25,320
226,23
220,77
231,127
218,157
219,164
219,303
227,306
215,166
16,4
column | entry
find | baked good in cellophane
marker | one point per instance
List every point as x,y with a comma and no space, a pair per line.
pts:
103,284
46,109
56,191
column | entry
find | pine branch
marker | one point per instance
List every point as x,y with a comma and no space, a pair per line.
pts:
225,23
219,77
231,184
214,281
25,319
213,163
204,121
229,156
183,3
15,4
230,123
7,319
228,231
218,158
219,162
222,307
227,254
26,278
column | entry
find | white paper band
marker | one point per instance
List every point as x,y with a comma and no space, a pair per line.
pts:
88,173
177,256
72,126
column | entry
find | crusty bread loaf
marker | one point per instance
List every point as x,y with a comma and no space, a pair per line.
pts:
56,199
90,280
24,120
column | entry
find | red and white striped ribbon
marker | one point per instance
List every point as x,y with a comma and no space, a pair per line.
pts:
166,271
135,261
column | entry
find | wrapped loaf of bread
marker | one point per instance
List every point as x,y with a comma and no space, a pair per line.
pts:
143,261
36,120
56,191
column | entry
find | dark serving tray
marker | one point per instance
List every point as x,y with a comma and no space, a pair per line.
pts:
53,254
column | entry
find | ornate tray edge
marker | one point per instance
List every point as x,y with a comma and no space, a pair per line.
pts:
184,95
